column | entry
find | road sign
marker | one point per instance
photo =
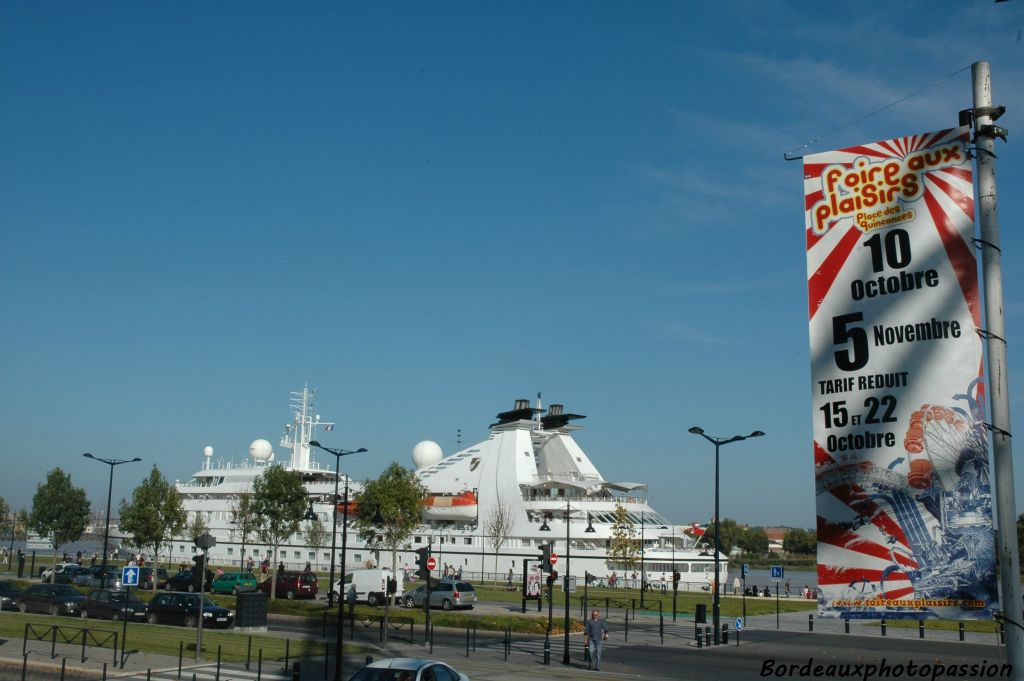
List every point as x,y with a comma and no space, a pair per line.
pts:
431,563
777,573
739,624
572,584
129,576
554,558
746,569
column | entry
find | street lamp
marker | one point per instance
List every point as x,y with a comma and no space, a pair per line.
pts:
718,442
338,453
110,488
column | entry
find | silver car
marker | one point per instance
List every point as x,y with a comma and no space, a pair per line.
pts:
407,669
446,595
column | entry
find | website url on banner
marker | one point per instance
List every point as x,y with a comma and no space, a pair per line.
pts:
884,670
909,603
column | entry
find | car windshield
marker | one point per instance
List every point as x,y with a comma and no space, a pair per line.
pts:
464,586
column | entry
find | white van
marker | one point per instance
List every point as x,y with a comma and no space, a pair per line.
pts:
371,585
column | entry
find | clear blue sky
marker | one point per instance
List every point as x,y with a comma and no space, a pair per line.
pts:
427,210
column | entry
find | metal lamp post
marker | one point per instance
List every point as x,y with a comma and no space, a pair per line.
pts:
338,453
718,442
643,567
568,551
106,524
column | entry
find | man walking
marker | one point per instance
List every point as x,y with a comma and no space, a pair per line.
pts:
594,634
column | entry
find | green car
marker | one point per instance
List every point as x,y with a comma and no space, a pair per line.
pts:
233,582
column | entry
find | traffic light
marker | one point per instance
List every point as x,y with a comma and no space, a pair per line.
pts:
545,558
392,587
552,577
422,555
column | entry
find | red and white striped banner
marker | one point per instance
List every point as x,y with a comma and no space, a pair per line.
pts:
900,447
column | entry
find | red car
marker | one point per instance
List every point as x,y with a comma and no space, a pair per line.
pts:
292,585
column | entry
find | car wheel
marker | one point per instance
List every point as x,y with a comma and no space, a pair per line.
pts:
54,610
290,595
446,604
234,591
152,618
190,622
409,602
371,599
191,588
83,613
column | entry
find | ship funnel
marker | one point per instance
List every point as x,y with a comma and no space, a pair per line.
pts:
522,411
555,410
557,418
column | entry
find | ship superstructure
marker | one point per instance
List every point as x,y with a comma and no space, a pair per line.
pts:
490,505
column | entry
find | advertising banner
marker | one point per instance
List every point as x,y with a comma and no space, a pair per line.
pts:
904,514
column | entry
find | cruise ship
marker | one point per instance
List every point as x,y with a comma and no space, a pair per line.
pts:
529,470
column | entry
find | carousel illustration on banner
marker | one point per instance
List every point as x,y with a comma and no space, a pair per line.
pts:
904,513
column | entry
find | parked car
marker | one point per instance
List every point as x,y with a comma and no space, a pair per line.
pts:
181,581
70,574
182,609
55,599
292,585
407,669
447,595
371,585
114,605
233,582
8,592
146,577
60,568
92,577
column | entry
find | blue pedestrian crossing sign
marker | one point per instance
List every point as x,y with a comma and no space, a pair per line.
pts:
777,573
739,624
129,576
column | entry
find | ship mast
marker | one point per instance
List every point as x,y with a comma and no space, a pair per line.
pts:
304,422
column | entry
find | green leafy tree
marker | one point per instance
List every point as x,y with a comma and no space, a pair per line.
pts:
730,535
800,541
316,537
753,540
399,495
278,505
60,512
624,544
243,520
197,527
154,515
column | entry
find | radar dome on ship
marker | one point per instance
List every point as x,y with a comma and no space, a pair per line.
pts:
426,453
261,451
207,451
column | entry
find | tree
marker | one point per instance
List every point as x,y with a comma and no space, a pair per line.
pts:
753,540
197,527
398,494
730,535
278,505
797,540
624,545
154,515
498,528
316,537
243,520
6,523
60,512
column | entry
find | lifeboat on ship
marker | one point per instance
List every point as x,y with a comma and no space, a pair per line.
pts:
462,506
353,508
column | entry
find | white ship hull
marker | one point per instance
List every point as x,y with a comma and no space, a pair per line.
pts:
552,494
